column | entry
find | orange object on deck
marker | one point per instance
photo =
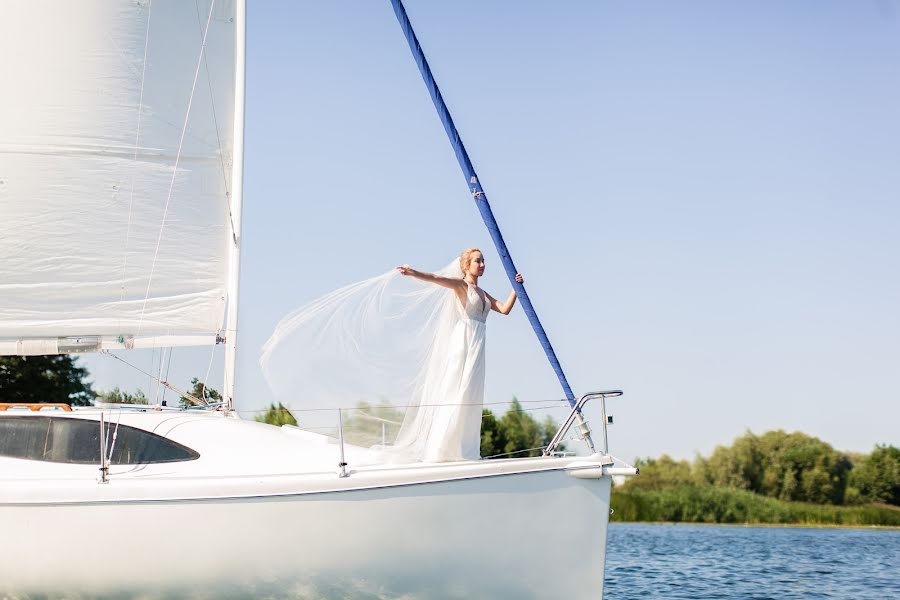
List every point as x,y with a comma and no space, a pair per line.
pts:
36,406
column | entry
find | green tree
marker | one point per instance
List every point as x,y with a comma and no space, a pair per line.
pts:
37,379
117,396
516,433
877,477
789,466
200,390
662,473
493,439
277,415
739,465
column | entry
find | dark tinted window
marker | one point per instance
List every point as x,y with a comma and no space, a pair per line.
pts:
25,437
78,441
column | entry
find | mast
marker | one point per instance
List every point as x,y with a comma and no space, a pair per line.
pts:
479,196
237,177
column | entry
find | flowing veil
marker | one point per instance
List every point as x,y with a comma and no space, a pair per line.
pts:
371,349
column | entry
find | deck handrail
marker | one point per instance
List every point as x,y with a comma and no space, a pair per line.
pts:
584,432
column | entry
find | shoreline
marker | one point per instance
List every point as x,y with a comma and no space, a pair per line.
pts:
769,525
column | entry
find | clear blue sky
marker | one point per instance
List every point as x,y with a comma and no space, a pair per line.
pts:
704,198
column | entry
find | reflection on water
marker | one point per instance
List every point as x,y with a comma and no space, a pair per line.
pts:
347,589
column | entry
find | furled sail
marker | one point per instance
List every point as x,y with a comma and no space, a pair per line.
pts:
479,195
117,122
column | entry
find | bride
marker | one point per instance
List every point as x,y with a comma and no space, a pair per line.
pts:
452,385
400,362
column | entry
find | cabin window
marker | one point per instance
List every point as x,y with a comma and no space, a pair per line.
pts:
77,441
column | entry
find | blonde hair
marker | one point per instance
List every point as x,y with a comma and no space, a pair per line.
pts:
465,258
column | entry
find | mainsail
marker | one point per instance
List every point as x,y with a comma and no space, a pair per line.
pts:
117,163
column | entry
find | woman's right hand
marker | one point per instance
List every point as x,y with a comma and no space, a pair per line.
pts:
405,270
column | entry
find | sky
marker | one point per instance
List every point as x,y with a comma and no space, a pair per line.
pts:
704,199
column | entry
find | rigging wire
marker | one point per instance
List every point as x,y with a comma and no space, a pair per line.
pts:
137,137
212,355
559,404
187,115
115,435
514,452
168,364
190,397
212,104
159,378
152,362
477,191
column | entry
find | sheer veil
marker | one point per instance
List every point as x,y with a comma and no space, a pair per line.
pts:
368,347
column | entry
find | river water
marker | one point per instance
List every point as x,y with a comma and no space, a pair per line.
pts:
645,561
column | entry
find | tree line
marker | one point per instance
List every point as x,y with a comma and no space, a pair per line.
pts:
793,467
38,379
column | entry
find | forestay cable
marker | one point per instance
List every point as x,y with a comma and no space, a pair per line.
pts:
478,194
184,127
212,105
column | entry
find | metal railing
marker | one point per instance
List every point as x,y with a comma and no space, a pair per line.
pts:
584,430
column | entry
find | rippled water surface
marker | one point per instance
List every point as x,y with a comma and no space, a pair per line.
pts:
696,561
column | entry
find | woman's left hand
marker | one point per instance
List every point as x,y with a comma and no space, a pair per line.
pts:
519,278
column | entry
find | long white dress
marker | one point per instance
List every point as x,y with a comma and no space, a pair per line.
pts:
455,385
383,347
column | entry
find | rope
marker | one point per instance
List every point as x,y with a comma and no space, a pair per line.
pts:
175,168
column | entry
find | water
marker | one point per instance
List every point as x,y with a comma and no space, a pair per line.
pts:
646,561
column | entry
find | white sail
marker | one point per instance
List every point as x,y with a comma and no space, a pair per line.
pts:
116,159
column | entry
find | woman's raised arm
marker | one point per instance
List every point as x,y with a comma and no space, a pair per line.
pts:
457,285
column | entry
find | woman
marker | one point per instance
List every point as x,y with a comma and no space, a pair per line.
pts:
447,425
389,349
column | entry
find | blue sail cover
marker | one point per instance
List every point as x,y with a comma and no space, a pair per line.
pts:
478,194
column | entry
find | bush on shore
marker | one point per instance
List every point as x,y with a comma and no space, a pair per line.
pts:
711,504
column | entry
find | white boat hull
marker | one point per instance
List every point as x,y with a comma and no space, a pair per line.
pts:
537,534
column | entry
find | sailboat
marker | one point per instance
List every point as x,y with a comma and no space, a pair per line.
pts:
121,133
